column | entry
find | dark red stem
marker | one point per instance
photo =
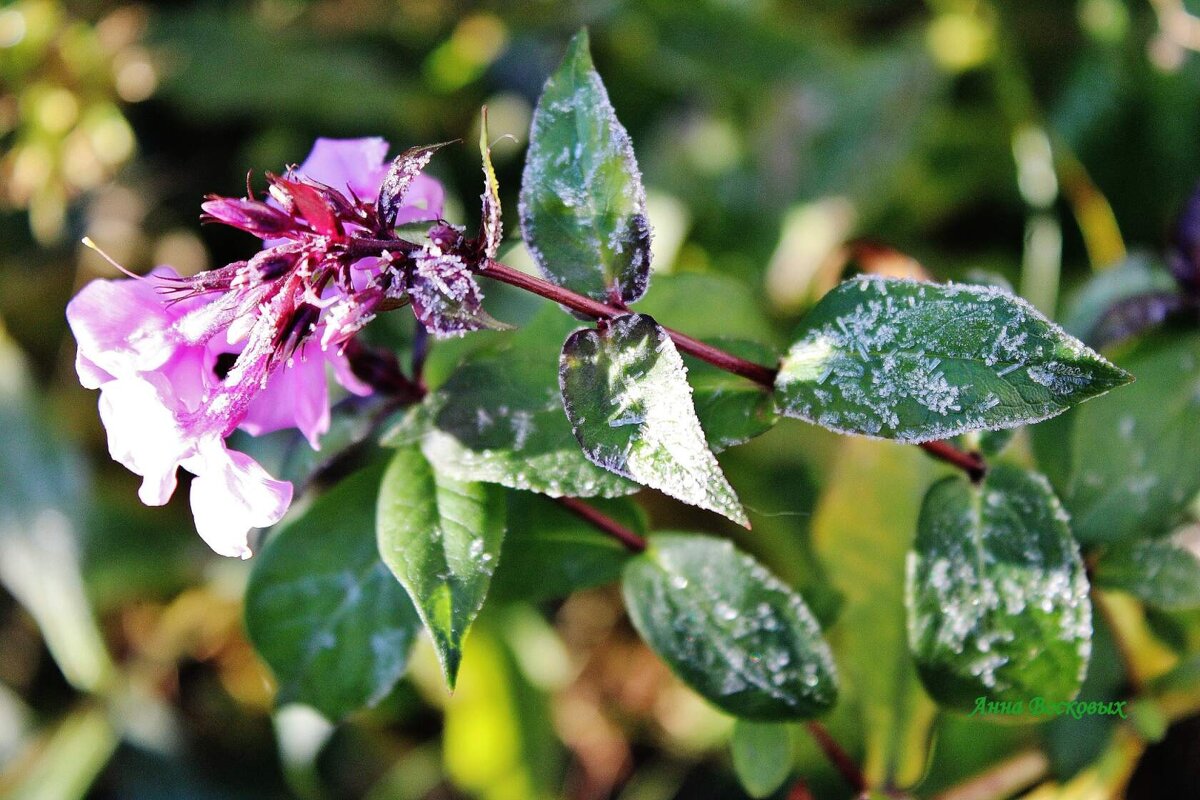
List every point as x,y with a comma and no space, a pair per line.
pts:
970,463
764,376
603,522
840,759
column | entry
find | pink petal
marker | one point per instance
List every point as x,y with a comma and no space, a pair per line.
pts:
144,434
231,494
90,375
296,396
423,201
122,326
357,164
344,375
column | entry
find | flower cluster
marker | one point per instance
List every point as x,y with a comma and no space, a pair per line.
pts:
182,362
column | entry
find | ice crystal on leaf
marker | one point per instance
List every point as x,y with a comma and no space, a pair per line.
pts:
912,361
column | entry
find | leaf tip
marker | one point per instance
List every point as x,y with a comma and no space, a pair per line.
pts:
450,658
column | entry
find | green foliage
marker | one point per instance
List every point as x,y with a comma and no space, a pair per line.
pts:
499,418
625,391
996,593
864,525
915,361
768,140
441,538
685,301
1165,573
762,756
325,612
732,409
729,629
1135,458
583,208
550,552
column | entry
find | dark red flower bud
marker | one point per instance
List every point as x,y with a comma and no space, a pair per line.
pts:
252,216
313,202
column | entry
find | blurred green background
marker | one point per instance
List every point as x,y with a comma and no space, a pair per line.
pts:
1044,141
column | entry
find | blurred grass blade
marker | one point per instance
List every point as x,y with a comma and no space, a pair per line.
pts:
41,492
863,527
71,758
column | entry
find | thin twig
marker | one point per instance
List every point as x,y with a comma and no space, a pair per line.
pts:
764,376
838,757
603,523
970,463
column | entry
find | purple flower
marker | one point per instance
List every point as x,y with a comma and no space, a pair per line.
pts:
182,362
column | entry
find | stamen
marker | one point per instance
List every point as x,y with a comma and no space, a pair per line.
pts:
87,242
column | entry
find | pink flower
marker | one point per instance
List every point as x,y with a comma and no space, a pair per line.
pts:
182,362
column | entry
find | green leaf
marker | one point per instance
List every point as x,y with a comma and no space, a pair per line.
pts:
862,530
1164,573
625,391
324,612
441,538
685,301
992,443
549,552
911,361
499,418
762,756
1135,458
1087,308
732,409
583,207
996,592
729,629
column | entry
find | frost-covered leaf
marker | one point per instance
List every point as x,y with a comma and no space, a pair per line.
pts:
996,592
405,167
583,207
499,418
1164,573
1135,458
626,393
729,629
324,612
732,409
444,294
441,538
762,756
913,361
491,228
549,552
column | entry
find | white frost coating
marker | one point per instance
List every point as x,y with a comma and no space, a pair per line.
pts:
911,361
995,582
581,160
700,595
630,405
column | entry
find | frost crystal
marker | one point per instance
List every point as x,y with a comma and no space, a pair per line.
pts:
912,361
